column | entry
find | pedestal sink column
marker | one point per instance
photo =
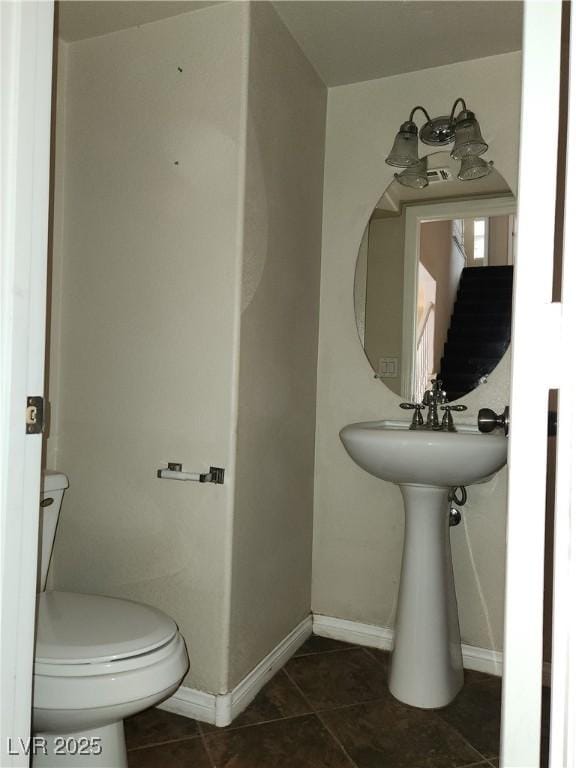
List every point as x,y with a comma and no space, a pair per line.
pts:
426,664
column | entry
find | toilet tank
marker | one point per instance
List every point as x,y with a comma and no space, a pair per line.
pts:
53,486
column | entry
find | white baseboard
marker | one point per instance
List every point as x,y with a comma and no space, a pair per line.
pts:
482,659
371,636
221,708
353,632
198,705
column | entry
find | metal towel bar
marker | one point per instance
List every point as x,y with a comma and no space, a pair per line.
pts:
174,472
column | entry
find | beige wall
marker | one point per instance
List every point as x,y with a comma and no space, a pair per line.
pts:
185,200
144,347
498,241
358,519
272,547
444,262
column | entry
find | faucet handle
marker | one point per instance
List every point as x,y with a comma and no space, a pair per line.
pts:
454,407
417,420
447,420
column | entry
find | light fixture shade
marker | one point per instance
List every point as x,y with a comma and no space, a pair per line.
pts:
474,167
468,140
415,176
404,152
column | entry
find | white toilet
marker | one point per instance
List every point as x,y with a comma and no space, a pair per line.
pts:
97,661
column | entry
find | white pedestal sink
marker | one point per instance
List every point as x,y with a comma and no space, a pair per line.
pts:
426,663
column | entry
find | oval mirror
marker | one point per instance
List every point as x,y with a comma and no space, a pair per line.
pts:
433,282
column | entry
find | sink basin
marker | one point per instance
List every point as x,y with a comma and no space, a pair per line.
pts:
391,451
426,665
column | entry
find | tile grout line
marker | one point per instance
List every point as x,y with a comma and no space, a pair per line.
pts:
162,743
317,716
207,748
367,650
321,653
300,691
338,707
337,740
316,710
228,728
221,731
464,739
231,727
311,709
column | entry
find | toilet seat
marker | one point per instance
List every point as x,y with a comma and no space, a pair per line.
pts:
106,668
85,630
96,652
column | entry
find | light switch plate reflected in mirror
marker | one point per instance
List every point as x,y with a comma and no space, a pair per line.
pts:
388,368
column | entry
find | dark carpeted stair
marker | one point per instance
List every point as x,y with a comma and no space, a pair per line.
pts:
480,327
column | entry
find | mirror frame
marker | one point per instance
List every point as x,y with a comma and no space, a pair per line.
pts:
415,216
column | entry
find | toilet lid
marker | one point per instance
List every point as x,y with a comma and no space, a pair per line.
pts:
85,629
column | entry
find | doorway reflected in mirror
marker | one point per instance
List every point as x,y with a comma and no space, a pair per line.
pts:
464,301
433,284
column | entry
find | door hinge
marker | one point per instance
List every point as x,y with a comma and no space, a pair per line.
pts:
34,415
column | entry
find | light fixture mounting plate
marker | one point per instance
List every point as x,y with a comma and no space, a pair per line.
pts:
437,132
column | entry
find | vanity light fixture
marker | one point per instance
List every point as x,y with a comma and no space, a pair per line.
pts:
473,167
405,150
415,176
462,129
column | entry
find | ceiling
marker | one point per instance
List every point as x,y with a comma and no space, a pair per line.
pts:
80,19
347,41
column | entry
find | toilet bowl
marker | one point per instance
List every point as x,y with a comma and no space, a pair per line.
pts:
97,660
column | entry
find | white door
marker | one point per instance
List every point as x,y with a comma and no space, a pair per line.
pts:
543,359
26,34
563,722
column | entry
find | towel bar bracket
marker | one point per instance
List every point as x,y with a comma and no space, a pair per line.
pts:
174,472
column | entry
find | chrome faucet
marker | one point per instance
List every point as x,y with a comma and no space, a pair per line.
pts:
433,397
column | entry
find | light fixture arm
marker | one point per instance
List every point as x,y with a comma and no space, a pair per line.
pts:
410,119
463,130
459,100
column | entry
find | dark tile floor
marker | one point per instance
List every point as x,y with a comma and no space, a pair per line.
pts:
328,708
